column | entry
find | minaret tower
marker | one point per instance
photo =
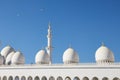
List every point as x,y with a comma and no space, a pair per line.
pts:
49,46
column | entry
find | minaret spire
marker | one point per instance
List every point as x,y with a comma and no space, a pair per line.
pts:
49,45
49,26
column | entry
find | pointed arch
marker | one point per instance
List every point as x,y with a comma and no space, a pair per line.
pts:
4,78
10,78
116,78
95,78
36,78
16,78
59,78
76,78
51,78
44,78
67,78
23,78
85,78
105,78
30,78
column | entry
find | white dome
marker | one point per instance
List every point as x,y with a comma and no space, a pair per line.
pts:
42,57
104,55
6,50
70,56
18,58
9,58
1,60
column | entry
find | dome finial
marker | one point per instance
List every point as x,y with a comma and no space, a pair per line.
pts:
103,44
19,50
70,46
42,48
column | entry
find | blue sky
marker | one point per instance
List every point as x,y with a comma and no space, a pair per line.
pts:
82,23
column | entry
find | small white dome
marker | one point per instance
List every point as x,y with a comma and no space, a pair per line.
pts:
42,57
1,60
70,56
6,50
104,55
18,58
9,58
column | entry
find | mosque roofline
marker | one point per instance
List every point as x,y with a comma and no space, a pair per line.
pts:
103,55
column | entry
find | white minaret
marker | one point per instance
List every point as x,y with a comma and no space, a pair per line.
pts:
49,46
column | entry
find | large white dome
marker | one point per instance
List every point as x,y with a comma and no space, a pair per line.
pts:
6,50
104,55
1,60
18,58
9,58
42,57
70,56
